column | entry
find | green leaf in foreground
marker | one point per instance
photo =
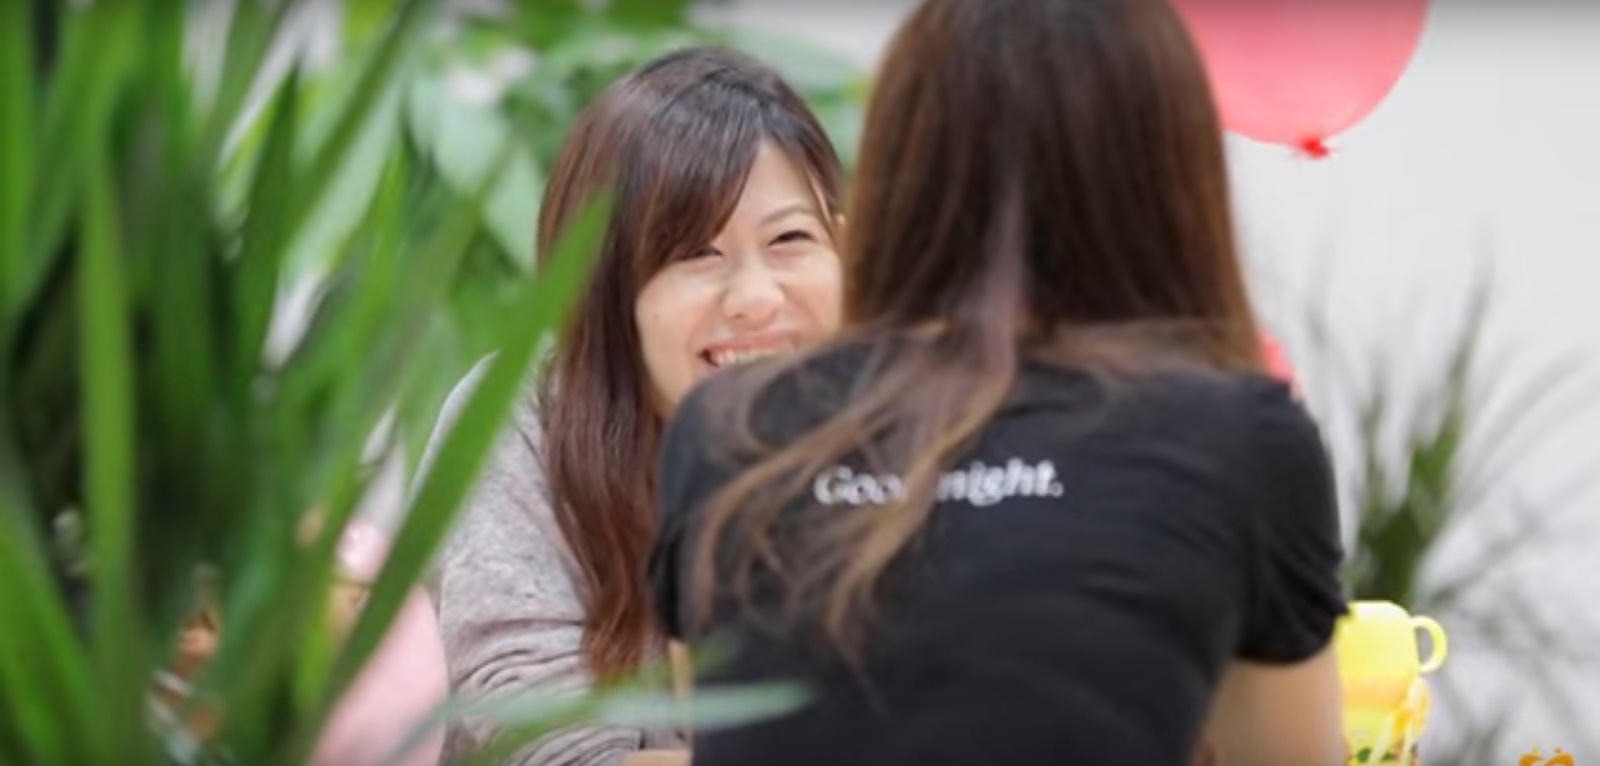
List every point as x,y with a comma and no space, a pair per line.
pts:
534,313
524,718
107,388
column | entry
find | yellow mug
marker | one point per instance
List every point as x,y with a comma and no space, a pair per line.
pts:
1376,645
1380,669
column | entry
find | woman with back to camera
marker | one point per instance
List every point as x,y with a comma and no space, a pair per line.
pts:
1037,504
719,249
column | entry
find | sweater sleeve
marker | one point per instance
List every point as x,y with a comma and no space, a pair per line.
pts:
510,605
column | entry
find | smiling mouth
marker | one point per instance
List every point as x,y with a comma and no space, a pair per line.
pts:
731,357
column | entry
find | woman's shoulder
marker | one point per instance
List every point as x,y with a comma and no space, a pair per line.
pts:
1198,389
1242,419
522,432
1255,421
511,496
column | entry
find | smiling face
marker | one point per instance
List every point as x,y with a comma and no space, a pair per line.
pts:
767,284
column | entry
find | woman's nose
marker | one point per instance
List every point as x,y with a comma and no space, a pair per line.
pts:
754,296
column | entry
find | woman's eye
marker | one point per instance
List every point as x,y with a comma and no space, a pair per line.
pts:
701,252
796,235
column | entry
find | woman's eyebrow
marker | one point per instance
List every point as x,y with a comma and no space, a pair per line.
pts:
798,208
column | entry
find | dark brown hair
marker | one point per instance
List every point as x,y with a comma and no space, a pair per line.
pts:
672,144
1038,178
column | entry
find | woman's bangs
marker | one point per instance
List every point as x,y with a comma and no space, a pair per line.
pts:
691,182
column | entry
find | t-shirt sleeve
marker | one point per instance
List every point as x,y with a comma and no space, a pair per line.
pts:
684,470
1296,595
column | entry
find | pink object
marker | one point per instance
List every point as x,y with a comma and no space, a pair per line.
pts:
1296,72
404,680
1275,361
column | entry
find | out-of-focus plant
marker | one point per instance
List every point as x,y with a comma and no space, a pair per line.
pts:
146,405
1434,464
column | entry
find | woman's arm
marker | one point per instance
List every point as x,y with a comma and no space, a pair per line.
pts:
657,758
1279,701
1278,715
510,608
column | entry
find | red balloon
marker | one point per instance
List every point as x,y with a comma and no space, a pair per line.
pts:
1296,72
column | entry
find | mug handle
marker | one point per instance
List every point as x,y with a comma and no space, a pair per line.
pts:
1440,643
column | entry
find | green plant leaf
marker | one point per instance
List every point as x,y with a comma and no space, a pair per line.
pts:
373,386
334,393
542,24
1534,412
707,708
252,30
363,19
469,439
17,149
338,199
45,673
266,233
107,386
172,277
469,143
94,65
363,114
522,718
646,14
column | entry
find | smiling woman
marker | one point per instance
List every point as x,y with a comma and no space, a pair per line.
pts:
719,250
768,283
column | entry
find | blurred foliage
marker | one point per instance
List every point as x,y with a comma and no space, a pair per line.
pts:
221,270
1440,522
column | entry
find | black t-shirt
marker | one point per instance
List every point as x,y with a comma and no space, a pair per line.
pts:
1091,565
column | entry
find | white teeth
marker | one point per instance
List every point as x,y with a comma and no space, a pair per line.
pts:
728,357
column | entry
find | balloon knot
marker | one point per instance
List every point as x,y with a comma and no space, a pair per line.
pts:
1314,148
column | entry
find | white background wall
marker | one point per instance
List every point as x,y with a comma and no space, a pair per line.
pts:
1484,159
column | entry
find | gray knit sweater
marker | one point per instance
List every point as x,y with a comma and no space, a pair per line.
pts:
511,604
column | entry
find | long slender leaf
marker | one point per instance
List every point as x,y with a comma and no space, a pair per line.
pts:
363,18
707,708
17,100
349,189
107,384
1493,558
469,143
266,234
347,484
174,245
354,115
375,380
469,439
44,671
252,30
1537,410
94,66
395,52
270,618
383,325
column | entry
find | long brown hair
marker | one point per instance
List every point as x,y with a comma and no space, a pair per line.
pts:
1038,179
672,144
